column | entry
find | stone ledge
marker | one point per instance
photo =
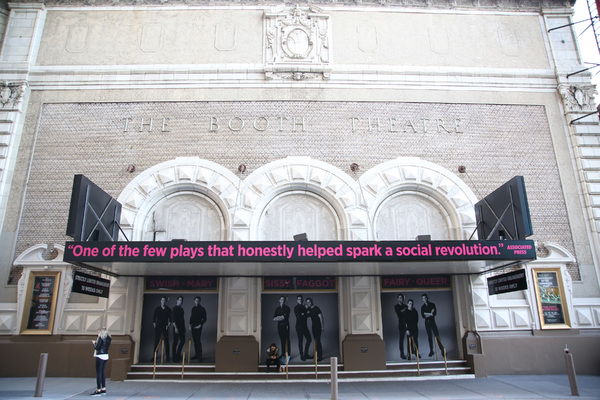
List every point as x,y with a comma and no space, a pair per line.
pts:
516,5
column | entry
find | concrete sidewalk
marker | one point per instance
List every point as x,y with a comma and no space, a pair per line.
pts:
526,387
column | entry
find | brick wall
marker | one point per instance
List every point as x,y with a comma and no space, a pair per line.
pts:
494,142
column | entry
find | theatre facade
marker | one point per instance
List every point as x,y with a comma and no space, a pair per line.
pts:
299,174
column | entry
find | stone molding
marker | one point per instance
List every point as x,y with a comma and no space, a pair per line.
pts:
521,5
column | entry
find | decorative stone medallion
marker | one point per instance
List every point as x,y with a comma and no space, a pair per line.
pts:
296,40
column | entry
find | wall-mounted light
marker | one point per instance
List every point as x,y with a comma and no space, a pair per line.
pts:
131,168
462,169
242,168
301,237
354,167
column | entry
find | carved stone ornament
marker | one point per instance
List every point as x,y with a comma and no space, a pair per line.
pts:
12,93
294,76
298,37
578,97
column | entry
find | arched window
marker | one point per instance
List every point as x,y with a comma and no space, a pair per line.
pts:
294,213
408,214
188,216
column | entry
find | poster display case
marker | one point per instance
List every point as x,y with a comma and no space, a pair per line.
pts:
40,303
551,301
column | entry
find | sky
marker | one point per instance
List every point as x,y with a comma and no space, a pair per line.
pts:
587,42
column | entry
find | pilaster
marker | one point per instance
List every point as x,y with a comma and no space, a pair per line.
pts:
19,49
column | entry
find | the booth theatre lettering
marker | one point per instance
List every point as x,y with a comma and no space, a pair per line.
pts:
300,124
370,124
146,124
260,124
421,125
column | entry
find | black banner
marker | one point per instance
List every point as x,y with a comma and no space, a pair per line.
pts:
325,251
89,284
182,283
509,282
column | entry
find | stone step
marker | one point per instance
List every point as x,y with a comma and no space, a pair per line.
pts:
207,372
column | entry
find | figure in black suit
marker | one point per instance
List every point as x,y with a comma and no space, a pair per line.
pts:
282,317
302,327
412,328
400,309
178,329
318,325
428,312
161,321
197,320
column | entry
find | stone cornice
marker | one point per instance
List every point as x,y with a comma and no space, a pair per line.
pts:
509,5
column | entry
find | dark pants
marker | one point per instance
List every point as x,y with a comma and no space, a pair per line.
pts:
197,338
303,333
284,336
432,329
178,343
164,334
316,330
273,361
100,376
414,334
402,331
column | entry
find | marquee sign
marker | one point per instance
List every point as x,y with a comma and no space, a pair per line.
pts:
397,282
182,283
282,283
289,251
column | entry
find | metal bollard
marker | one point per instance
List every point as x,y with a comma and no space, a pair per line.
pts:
39,385
334,378
571,372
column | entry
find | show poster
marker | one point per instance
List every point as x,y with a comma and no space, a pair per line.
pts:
201,313
551,301
42,296
309,318
431,311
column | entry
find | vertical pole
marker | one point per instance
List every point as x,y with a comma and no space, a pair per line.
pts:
316,361
571,372
39,385
334,378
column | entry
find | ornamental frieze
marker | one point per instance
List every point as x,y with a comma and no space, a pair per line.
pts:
520,5
297,42
578,97
11,94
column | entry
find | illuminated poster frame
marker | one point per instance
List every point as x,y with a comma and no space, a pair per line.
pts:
40,303
551,301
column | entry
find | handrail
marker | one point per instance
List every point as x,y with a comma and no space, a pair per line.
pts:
160,344
316,361
411,343
443,350
287,360
189,347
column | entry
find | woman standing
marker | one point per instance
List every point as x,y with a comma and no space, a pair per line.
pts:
101,345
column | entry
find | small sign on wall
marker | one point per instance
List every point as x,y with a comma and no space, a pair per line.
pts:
89,284
506,283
